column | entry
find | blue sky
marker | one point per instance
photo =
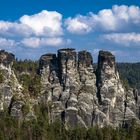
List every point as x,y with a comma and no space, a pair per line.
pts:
30,28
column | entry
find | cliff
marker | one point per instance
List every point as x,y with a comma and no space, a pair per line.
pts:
71,90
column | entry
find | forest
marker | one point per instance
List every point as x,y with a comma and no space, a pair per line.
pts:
130,73
41,129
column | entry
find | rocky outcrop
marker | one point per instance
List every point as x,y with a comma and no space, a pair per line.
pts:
6,58
110,94
9,85
116,103
71,90
67,60
87,93
75,95
12,98
51,89
72,93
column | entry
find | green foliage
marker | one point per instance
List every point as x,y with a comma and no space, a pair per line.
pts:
130,74
40,129
26,66
27,74
25,109
25,79
34,86
78,133
1,76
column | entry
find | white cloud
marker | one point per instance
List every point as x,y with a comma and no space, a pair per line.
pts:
127,39
78,25
34,31
32,42
7,42
119,18
13,29
45,23
35,42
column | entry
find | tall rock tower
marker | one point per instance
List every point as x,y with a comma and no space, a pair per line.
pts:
113,99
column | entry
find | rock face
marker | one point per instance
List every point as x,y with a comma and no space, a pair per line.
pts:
75,95
6,58
70,86
12,98
116,103
51,88
72,91
111,94
9,85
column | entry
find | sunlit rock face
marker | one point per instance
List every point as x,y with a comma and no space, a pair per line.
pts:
69,78
12,98
6,74
50,77
87,94
9,85
111,95
117,104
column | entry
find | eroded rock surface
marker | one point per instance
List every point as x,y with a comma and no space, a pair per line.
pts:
115,102
72,91
9,86
75,95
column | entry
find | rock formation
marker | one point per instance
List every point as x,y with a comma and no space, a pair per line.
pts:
12,98
9,86
70,86
111,94
72,91
75,95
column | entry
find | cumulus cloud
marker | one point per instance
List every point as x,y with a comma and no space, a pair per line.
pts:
79,25
35,42
119,18
127,39
13,29
34,31
45,23
7,42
